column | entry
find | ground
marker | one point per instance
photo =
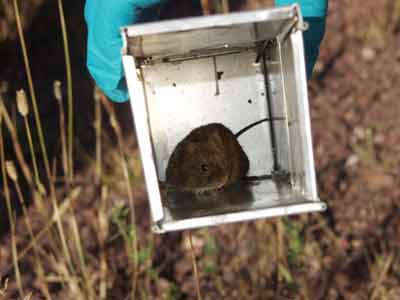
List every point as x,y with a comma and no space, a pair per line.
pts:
349,252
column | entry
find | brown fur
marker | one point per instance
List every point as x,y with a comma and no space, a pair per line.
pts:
209,157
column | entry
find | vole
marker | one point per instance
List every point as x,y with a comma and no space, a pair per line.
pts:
208,158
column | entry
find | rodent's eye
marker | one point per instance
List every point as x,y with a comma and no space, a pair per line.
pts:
204,167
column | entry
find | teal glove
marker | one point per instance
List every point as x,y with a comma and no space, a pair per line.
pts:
104,18
314,12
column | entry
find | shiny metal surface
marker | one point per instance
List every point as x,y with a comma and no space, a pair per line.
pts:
184,97
224,69
139,110
210,32
241,202
294,82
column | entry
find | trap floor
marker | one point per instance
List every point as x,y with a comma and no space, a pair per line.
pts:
239,202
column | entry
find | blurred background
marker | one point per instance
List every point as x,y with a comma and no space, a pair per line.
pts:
65,234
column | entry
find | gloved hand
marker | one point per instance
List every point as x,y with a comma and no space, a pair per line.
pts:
314,12
104,18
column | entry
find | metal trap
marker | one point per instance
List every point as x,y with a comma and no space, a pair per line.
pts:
232,69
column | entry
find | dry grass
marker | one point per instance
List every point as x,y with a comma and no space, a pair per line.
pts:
87,241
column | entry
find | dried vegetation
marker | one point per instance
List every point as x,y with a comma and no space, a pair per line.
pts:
82,231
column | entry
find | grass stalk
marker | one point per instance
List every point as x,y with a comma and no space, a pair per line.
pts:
225,6
41,136
56,216
60,228
17,147
67,174
134,245
81,257
42,285
3,287
377,284
12,173
103,231
64,150
31,88
205,5
103,274
69,91
102,214
28,176
64,276
149,266
280,248
23,108
195,269
98,129
28,296
10,214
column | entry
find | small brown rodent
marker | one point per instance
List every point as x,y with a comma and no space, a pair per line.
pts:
208,158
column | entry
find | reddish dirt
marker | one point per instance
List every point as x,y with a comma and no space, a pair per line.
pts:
355,107
341,254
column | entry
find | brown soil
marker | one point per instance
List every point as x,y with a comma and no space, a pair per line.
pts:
341,254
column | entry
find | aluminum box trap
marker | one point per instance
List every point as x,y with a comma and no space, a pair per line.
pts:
232,69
